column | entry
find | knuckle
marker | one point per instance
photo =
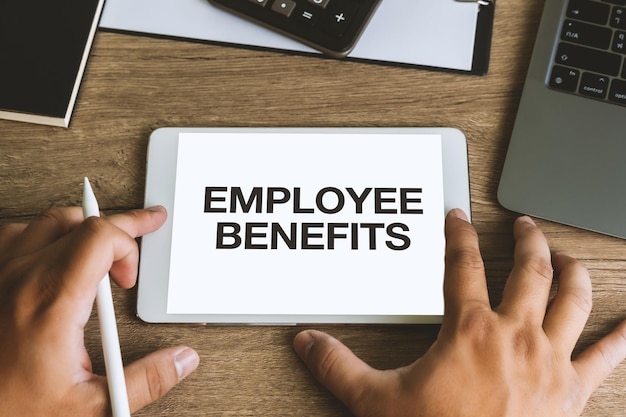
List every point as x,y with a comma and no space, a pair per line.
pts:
94,229
57,219
325,365
94,224
524,343
15,284
477,324
582,299
53,214
155,382
136,214
325,360
538,266
464,258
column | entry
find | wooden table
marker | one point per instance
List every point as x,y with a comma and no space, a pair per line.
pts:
136,84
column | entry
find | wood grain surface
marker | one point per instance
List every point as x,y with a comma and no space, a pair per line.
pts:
135,84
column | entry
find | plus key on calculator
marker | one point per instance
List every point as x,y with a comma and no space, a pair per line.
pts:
330,26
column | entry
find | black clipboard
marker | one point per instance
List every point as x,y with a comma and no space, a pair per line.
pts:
484,34
197,20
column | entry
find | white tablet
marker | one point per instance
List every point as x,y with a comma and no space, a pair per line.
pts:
307,225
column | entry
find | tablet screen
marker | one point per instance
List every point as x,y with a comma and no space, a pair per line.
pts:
307,224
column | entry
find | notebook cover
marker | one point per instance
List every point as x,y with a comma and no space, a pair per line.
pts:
43,50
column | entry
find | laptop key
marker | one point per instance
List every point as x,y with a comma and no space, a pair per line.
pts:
589,11
588,59
594,85
618,18
586,34
592,51
565,79
617,93
619,42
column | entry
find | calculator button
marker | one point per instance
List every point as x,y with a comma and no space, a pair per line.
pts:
320,3
338,17
307,15
284,7
331,26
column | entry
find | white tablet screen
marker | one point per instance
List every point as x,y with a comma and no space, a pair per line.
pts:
307,224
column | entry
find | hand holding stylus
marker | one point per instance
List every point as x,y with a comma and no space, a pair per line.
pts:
49,275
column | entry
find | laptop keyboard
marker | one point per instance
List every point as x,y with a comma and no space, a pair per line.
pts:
590,59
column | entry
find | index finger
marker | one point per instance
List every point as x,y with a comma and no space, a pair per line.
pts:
136,223
79,261
119,250
465,283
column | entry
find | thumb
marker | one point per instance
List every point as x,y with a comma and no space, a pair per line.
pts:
151,377
359,386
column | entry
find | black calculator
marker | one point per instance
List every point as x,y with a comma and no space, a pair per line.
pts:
330,26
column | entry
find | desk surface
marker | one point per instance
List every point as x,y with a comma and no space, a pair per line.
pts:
136,84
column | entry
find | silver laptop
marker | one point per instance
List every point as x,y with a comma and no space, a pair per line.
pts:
566,160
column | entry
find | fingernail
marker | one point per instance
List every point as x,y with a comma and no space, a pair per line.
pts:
458,213
186,361
302,343
155,208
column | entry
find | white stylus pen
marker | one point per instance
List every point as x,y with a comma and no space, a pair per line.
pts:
108,326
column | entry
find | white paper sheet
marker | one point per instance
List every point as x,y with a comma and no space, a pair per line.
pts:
433,33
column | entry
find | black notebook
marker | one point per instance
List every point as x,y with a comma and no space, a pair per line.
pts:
44,47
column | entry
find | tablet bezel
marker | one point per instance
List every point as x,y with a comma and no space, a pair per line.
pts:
160,185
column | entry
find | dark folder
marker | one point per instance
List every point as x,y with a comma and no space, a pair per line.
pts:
44,46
